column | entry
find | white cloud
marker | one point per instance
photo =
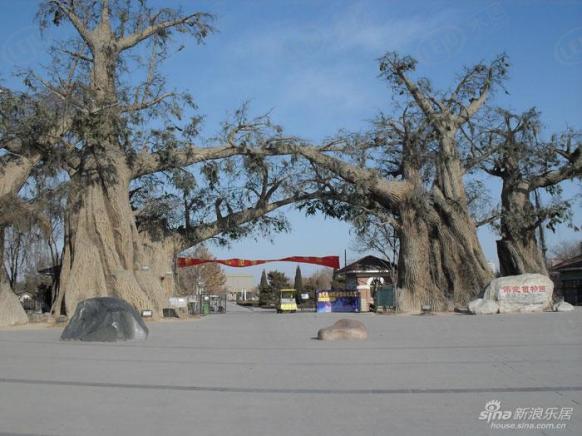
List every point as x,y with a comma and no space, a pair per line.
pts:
353,29
320,71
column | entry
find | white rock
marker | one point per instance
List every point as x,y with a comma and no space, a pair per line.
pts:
521,293
563,306
11,311
483,307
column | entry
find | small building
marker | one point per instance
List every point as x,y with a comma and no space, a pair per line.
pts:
240,287
364,275
569,279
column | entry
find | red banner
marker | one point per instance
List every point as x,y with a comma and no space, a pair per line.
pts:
329,261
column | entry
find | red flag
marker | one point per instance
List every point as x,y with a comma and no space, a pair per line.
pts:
329,261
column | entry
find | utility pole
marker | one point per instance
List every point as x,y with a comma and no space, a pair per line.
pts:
541,230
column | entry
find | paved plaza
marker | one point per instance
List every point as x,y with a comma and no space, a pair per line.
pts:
254,372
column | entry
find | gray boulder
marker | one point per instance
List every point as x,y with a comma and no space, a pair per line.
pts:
105,319
11,311
563,306
343,329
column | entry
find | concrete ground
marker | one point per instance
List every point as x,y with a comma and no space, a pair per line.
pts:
258,373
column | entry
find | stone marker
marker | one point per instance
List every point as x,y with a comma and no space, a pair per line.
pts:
11,311
343,329
520,293
105,319
563,306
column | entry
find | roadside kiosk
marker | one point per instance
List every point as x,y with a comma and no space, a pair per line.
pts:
337,301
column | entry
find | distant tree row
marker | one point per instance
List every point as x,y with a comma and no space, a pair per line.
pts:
273,281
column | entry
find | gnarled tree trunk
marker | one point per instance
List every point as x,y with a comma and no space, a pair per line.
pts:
440,261
103,253
416,264
518,249
464,269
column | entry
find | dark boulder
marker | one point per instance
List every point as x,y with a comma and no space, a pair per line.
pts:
343,329
105,319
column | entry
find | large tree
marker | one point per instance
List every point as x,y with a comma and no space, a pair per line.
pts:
524,162
114,143
410,173
103,252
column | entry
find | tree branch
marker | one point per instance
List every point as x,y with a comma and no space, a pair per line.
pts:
84,32
135,38
467,112
205,231
146,104
488,220
149,163
391,192
570,169
420,99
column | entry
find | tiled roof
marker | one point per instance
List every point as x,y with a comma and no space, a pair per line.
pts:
367,263
575,262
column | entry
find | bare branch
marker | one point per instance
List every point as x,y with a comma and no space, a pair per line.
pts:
570,169
495,215
192,20
201,232
147,104
467,112
422,100
62,95
76,21
148,163
76,55
391,192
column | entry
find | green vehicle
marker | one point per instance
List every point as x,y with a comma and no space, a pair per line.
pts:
287,301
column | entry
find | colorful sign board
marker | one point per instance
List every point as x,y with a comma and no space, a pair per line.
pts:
338,301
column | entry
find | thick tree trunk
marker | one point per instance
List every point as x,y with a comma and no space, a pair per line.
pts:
463,267
440,262
2,274
520,257
416,265
103,253
518,250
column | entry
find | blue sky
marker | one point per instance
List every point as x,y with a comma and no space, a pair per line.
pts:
313,63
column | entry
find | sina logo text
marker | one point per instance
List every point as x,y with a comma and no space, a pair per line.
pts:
492,412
